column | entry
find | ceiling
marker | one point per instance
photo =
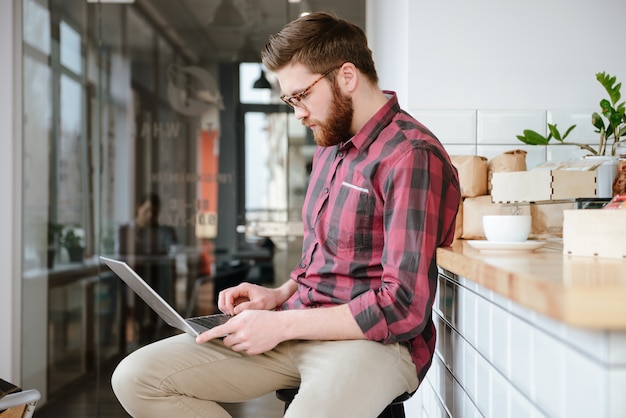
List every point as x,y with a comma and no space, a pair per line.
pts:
193,26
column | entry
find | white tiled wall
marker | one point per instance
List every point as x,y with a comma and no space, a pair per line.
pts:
495,358
491,132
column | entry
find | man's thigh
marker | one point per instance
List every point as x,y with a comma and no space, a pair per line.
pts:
211,371
350,378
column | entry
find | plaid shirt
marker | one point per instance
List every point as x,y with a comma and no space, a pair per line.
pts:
377,208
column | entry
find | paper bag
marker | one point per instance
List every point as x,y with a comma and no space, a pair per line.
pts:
473,210
548,220
472,174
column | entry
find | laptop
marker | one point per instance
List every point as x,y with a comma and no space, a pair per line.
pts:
193,326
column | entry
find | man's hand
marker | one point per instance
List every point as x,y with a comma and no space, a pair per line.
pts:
251,332
245,296
257,328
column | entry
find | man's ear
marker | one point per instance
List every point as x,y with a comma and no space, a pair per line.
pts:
348,77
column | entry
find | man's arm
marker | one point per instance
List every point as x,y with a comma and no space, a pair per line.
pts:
258,331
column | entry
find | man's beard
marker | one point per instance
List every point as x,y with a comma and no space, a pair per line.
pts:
336,129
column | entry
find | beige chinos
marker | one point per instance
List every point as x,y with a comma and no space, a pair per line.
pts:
177,377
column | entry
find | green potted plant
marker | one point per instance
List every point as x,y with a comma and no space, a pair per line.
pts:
610,124
613,111
72,240
611,131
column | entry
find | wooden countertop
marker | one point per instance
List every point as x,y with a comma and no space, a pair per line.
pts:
588,292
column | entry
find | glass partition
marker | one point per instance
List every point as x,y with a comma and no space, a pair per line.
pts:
144,139
124,156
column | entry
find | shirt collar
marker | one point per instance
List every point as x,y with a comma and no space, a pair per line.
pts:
368,133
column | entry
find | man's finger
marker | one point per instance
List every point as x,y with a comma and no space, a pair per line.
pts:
219,331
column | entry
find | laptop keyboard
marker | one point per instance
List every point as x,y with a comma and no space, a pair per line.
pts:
210,321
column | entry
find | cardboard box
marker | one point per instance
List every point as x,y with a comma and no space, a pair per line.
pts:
595,232
542,185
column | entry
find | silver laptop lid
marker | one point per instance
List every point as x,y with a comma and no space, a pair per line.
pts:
150,296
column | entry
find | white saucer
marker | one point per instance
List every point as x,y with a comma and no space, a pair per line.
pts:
506,246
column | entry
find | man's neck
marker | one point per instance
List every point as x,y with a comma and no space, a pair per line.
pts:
367,102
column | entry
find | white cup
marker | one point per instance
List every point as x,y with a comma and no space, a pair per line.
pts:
507,228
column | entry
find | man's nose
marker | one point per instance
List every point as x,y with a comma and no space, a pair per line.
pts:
300,112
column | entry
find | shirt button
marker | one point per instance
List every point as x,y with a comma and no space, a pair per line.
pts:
302,265
340,154
326,190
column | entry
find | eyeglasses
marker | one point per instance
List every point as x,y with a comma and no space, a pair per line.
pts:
296,100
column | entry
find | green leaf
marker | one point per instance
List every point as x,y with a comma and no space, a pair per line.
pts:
597,121
608,83
531,137
555,132
570,129
605,105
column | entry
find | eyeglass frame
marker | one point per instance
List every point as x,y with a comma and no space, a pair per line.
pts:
296,99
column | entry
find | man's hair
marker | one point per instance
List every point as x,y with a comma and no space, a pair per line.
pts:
320,41
155,202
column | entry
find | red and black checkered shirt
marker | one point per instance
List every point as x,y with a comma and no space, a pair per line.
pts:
377,208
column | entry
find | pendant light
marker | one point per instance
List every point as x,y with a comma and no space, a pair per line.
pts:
262,82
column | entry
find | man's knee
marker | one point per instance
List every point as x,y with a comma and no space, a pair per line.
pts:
123,380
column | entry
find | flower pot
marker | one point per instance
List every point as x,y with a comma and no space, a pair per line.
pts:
605,174
50,258
75,254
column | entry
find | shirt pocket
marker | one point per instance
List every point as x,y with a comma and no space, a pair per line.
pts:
350,227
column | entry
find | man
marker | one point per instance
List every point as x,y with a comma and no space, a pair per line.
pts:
145,236
382,197
143,242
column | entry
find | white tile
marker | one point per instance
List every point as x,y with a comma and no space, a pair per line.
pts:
500,393
617,348
520,406
594,343
461,294
503,126
469,409
535,155
448,392
450,126
548,374
500,336
471,285
585,386
415,404
460,149
483,385
434,374
501,301
519,310
428,396
584,130
484,292
458,401
521,355
483,327
564,153
459,348
468,316
536,413
470,373
439,344
549,325
436,306
617,389
451,340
